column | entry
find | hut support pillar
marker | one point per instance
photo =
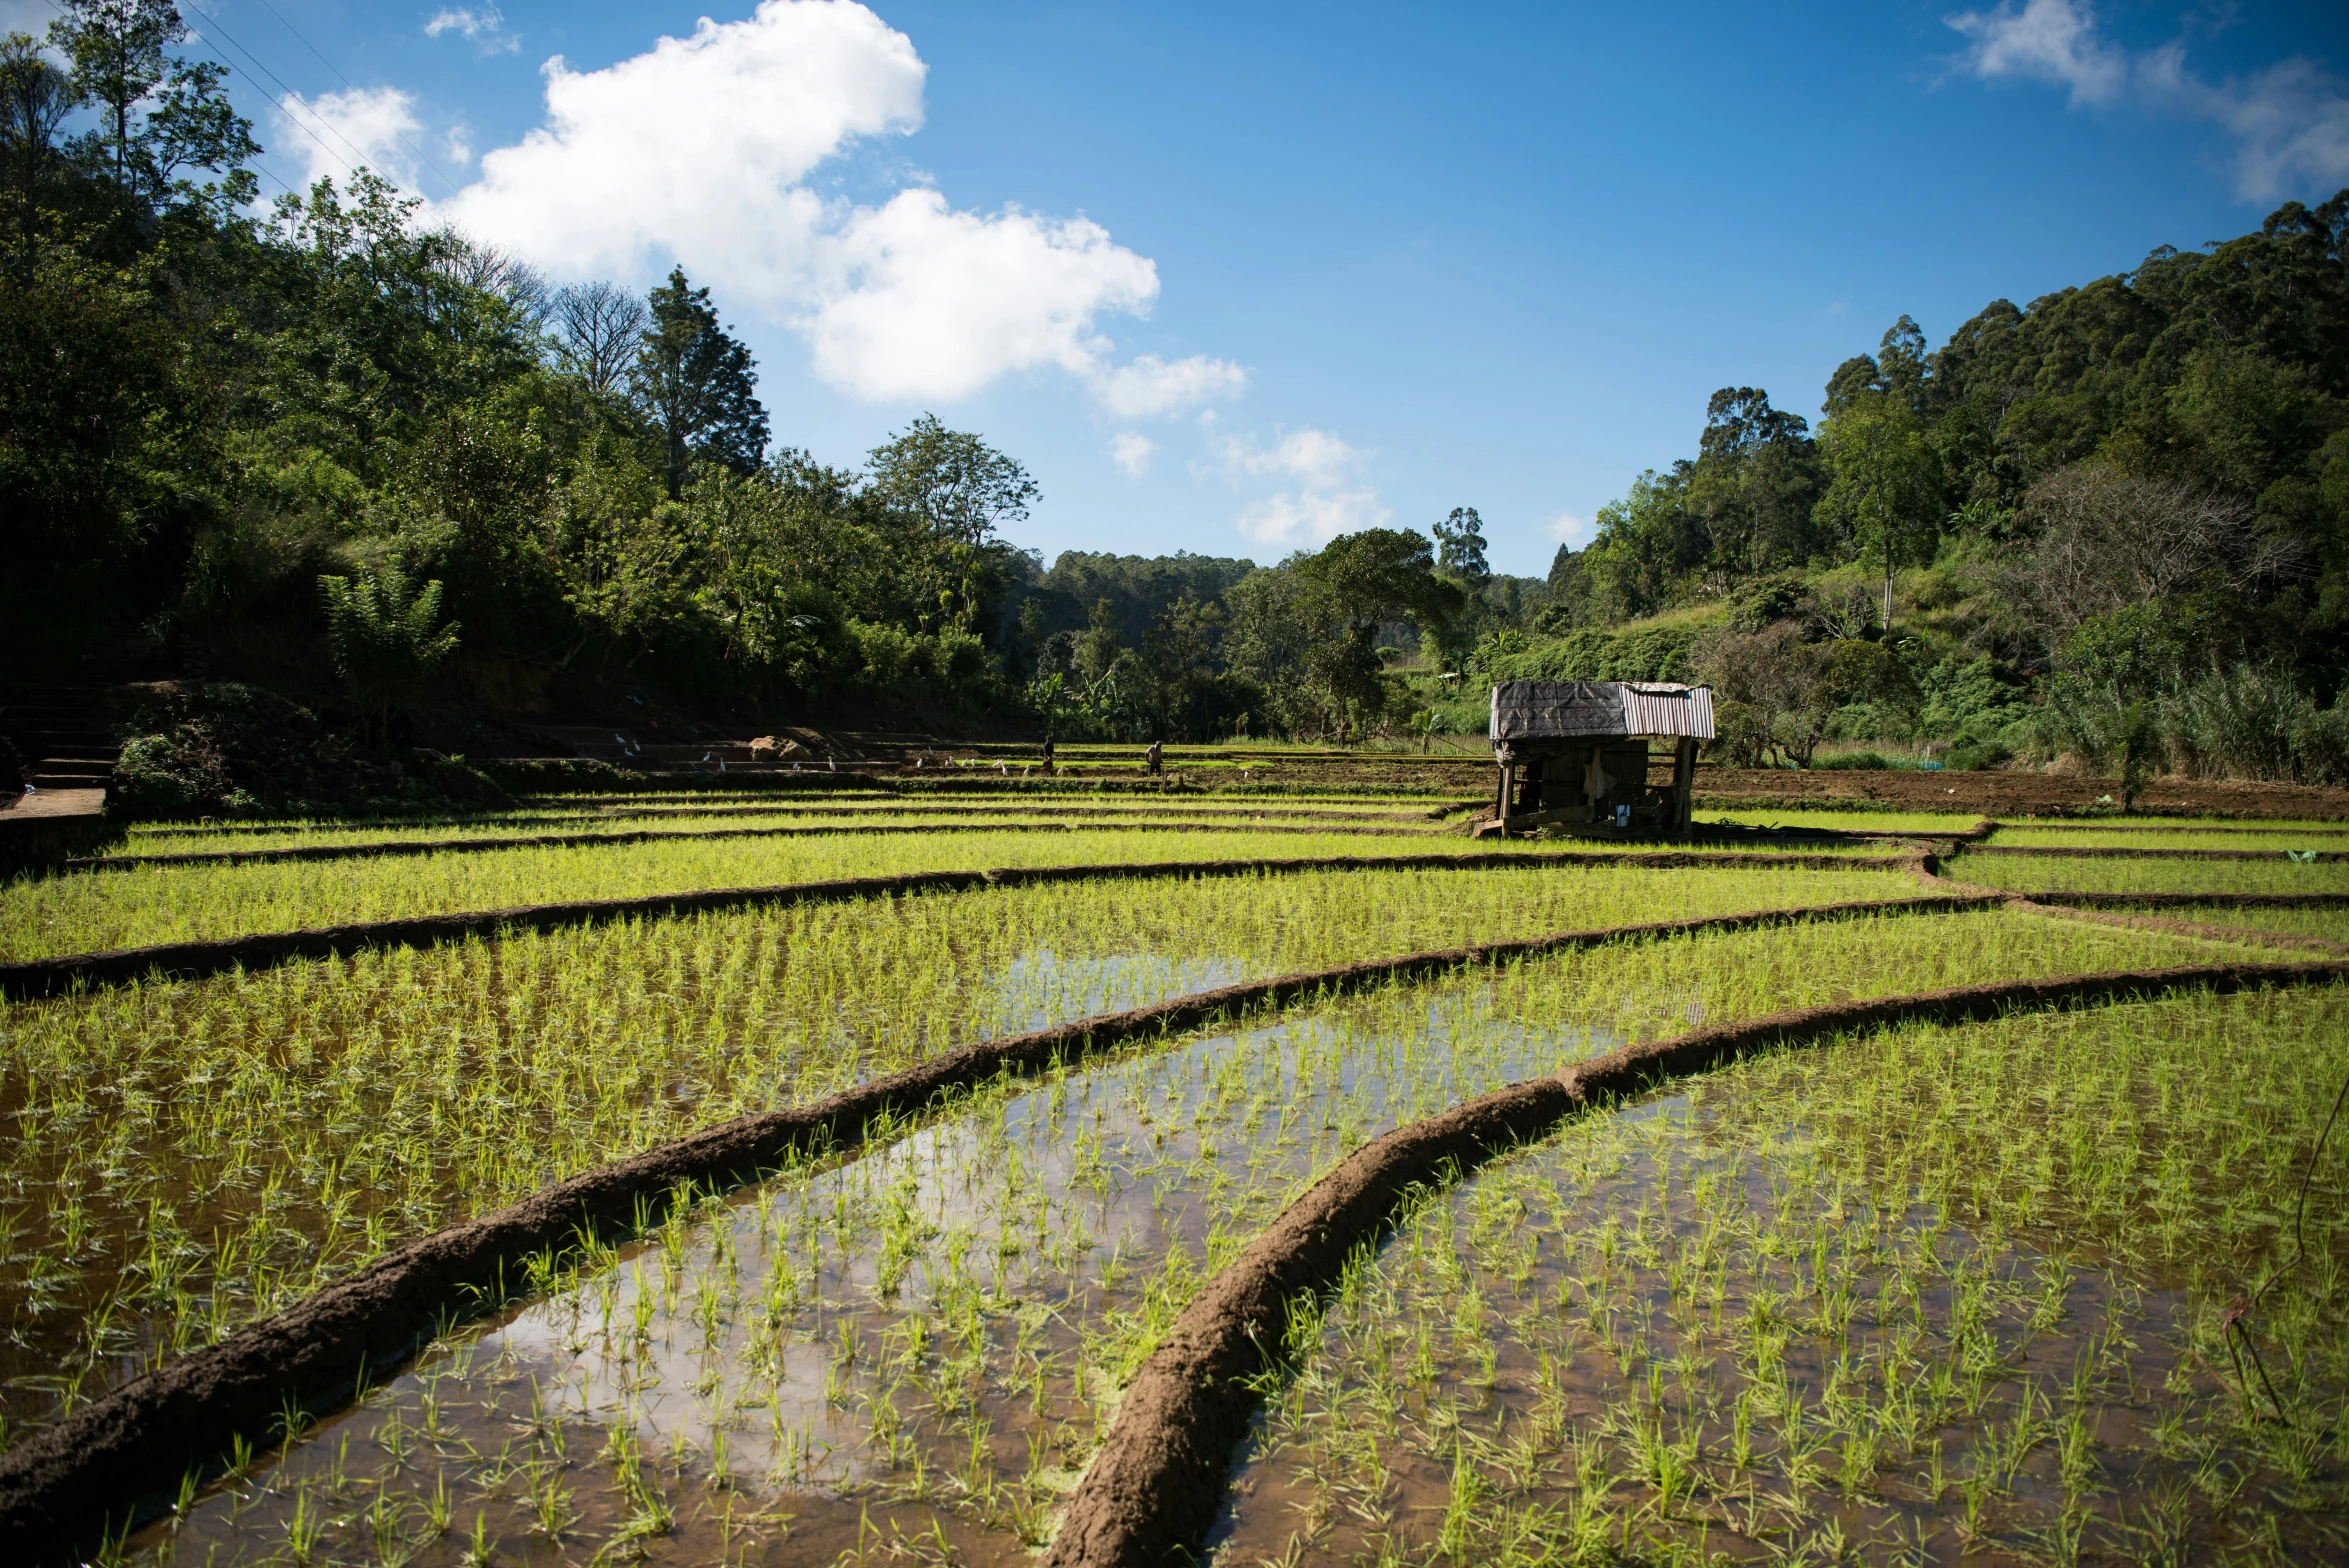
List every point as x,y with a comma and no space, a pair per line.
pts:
1508,792
1683,781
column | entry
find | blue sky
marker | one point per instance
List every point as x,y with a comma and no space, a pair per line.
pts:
1229,278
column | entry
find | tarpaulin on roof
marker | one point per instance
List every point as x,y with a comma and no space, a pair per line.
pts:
1573,710
1550,710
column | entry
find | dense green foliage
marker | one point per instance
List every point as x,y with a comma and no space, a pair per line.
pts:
204,413
2115,522
2119,518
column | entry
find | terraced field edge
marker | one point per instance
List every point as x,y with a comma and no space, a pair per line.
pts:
1154,1488
120,1457
32,979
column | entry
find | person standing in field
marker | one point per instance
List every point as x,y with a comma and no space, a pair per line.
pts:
1048,754
1155,754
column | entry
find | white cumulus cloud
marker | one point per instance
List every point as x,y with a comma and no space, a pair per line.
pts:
1131,451
338,132
701,150
2290,122
913,299
698,148
1328,497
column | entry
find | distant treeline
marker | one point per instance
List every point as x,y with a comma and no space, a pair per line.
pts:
2120,513
330,437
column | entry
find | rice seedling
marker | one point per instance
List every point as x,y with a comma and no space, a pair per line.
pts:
2242,837
1799,819
148,904
897,811
1916,1296
2330,925
182,1158
2277,875
928,1341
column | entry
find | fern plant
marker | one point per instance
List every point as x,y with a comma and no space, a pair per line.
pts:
386,639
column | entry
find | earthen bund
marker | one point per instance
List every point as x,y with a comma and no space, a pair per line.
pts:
121,1456
399,848
2136,852
35,978
2183,900
1155,1486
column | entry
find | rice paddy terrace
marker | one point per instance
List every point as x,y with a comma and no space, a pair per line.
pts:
999,1169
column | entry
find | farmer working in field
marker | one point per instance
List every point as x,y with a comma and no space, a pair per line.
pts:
1155,754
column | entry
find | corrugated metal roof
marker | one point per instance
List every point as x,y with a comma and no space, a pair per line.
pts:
1658,708
1573,710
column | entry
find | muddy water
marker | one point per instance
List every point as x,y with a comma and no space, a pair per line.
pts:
922,1345
184,1229
1638,1343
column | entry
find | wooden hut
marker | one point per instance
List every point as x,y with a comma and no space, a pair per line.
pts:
1577,752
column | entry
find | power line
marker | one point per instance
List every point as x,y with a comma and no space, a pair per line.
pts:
298,124
419,152
230,66
289,93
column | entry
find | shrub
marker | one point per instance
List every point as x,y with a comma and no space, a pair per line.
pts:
1970,755
1866,761
386,639
223,749
2242,723
2321,741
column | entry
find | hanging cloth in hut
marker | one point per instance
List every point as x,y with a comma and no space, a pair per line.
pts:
1595,783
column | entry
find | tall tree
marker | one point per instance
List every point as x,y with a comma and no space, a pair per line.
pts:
598,329
1887,482
1460,546
958,486
158,114
35,98
698,384
1754,486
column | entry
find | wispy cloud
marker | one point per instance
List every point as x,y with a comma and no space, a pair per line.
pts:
2051,41
2289,122
1326,497
1150,387
484,25
1571,531
1131,451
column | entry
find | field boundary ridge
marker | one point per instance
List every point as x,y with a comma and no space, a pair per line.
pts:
1157,1482
115,1459
33,979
